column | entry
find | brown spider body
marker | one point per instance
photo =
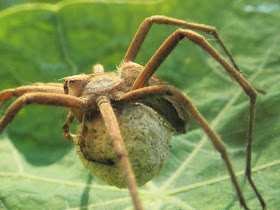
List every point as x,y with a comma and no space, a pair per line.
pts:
145,135
114,85
135,92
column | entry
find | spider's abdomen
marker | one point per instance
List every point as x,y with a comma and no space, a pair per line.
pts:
147,141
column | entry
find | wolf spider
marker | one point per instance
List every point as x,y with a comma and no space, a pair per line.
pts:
98,92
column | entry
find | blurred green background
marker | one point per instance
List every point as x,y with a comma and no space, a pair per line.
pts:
43,41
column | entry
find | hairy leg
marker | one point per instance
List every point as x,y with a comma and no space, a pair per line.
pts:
186,103
10,93
163,52
50,84
52,99
162,20
114,132
98,69
66,127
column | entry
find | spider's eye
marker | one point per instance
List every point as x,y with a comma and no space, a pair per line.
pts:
65,87
71,81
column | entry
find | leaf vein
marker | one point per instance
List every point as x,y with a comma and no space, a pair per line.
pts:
106,203
60,182
220,179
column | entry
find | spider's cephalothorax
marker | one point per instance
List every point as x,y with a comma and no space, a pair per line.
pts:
142,103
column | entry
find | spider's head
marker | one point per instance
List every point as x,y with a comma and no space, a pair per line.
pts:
75,85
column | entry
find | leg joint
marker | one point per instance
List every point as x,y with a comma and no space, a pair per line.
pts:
102,99
24,98
158,19
148,21
253,95
120,152
213,30
191,35
251,92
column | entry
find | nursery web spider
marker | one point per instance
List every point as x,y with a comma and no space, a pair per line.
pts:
99,92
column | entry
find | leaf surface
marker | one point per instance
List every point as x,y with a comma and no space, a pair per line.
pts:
45,42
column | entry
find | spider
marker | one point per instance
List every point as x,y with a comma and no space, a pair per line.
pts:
96,94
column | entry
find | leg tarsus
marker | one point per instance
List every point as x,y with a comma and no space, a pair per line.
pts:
248,170
168,46
261,200
225,157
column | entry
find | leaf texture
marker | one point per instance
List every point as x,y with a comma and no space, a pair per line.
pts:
43,42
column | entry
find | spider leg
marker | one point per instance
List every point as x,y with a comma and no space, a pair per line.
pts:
66,127
98,69
114,132
6,95
40,98
167,47
186,103
50,84
162,20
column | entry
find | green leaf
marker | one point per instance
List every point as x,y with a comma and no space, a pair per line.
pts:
45,42
4,4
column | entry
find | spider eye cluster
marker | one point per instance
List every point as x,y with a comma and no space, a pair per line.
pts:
66,83
71,81
65,87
